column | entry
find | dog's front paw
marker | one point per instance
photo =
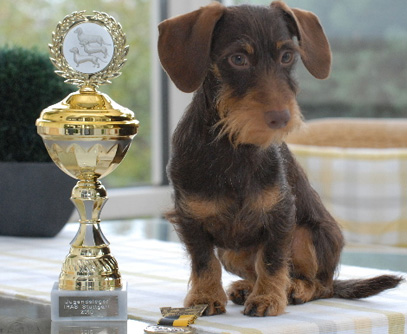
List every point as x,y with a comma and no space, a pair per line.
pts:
216,302
239,291
264,305
301,292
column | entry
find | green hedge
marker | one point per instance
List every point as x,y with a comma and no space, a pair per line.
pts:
28,84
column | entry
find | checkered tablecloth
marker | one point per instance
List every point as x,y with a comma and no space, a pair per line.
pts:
157,274
364,189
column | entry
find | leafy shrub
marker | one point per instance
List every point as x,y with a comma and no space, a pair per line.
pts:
28,84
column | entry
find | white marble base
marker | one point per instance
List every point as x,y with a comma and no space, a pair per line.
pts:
89,305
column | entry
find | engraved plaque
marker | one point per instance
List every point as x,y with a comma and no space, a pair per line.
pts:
87,306
106,306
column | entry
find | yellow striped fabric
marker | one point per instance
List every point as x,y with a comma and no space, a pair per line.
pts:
157,274
364,189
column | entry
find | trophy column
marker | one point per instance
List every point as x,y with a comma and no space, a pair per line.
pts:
87,135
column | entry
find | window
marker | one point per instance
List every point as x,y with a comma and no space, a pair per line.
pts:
368,40
138,186
29,23
369,70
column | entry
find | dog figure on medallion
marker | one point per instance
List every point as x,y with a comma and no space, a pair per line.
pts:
80,59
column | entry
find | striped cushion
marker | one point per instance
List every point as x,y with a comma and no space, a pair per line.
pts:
364,189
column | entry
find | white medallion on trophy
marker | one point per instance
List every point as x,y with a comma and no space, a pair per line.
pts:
88,48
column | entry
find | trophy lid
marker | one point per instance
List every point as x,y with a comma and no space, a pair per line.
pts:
87,112
87,50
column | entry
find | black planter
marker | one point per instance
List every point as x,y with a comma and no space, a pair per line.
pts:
34,199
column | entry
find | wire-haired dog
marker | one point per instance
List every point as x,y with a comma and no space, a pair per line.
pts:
241,199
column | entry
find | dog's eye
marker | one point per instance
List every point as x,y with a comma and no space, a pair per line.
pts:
287,58
239,61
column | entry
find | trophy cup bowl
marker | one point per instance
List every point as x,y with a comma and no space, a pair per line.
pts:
87,135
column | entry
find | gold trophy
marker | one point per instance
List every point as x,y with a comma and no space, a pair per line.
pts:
87,135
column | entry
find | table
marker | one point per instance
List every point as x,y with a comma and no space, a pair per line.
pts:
157,272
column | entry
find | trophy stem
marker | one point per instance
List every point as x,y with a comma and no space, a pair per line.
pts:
89,264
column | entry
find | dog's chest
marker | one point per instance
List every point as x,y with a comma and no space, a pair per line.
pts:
230,192
235,236
211,171
238,217
234,223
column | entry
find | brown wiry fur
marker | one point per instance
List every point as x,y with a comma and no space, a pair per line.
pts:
207,288
305,264
269,294
202,208
240,119
240,197
267,199
239,290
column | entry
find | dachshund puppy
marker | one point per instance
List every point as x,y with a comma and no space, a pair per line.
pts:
241,199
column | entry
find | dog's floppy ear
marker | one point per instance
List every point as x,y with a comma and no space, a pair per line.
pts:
184,45
316,53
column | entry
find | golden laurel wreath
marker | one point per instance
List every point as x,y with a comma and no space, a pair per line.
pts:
75,77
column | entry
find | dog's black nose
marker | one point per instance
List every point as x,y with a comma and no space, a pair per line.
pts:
277,119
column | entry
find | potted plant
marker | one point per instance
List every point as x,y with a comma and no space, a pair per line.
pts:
34,193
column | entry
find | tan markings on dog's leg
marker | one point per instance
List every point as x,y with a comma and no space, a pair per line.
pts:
303,255
267,199
240,263
269,296
239,291
206,288
301,291
305,265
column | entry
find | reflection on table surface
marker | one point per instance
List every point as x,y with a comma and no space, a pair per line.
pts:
372,256
23,317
